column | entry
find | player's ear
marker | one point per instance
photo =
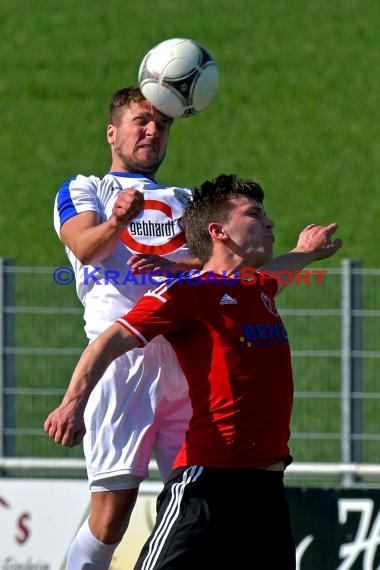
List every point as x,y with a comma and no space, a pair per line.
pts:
216,230
111,129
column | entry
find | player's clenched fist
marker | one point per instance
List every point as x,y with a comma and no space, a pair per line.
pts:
127,205
65,425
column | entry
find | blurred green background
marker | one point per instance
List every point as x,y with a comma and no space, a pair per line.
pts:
296,109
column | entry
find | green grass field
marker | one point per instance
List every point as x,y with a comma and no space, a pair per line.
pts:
296,108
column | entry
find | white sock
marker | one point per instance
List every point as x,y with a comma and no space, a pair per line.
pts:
87,552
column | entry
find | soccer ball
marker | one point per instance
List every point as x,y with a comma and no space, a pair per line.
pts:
179,77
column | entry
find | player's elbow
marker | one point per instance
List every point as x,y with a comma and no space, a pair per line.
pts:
87,258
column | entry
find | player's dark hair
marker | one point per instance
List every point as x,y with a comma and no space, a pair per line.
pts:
212,203
121,99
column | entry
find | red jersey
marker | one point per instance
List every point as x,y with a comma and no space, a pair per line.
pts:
233,348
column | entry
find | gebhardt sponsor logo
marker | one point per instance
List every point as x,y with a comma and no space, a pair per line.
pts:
152,229
142,234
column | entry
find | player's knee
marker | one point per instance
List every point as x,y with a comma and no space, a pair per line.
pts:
109,529
110,514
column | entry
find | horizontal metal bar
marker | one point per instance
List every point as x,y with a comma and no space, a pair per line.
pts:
293,470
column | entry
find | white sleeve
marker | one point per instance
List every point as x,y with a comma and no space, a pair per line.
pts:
76,195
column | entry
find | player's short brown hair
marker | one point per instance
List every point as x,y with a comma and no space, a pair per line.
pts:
121,99
212,203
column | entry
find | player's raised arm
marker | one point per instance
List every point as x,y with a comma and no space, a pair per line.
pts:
314,243
91,241
150,263
65,424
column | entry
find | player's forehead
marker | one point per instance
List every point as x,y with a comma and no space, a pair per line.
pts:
246,202
144,109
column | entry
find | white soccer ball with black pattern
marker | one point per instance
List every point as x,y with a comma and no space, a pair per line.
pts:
179,77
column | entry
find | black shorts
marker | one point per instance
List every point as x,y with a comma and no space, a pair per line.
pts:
221,519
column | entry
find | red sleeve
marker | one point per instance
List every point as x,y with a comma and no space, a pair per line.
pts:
166,309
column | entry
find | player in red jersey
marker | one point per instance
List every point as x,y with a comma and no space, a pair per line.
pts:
224,505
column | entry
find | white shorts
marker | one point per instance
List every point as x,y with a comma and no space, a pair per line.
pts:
140,407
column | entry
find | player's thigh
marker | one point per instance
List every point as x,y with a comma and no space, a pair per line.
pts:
161,363
170,434
180,537
120,419
173,409
263,531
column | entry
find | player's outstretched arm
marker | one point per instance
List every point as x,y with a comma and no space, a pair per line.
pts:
149,263
314,244
65,424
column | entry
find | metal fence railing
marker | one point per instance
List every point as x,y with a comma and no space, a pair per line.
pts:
332,319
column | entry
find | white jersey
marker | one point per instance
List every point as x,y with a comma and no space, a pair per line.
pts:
108,289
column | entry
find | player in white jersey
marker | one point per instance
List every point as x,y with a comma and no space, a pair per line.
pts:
117,231
107,286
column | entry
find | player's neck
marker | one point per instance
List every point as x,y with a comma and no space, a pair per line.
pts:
150,175
224,265
120,166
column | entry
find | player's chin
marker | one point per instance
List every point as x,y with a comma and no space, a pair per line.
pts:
148,160
147,152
